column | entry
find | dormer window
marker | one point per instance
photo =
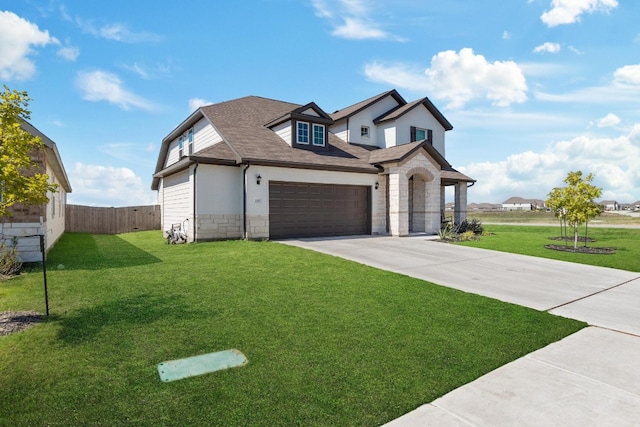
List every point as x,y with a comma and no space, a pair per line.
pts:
364,132
303,133
318,135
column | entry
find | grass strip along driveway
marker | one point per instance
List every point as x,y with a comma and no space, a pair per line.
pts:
530,240
329,341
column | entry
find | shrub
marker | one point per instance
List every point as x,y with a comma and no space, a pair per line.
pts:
466,236
474,226
446,233
10,264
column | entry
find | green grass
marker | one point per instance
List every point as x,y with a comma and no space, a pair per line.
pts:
530,240
329,341
542,217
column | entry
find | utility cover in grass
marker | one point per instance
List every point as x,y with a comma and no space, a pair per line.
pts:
197,365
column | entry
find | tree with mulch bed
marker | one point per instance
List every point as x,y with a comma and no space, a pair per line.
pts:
575,205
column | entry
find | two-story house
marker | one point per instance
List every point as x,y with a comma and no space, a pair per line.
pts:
259,168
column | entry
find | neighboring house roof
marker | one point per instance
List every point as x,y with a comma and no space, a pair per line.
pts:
404,109
356,108
51,147
608,202
516,201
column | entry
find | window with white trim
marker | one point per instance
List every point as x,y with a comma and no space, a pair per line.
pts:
318,135
364,132
180,147
303,133
190,141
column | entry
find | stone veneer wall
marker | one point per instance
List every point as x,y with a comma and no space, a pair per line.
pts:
399,174
379,208
258,227
218,227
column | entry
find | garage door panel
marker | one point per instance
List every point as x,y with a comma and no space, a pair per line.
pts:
309,210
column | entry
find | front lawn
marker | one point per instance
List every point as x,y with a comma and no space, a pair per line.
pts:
329,341
530,240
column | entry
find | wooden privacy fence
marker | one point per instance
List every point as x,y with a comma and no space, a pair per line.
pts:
96,220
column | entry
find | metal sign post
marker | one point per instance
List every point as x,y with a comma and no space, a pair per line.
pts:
44,269
44,272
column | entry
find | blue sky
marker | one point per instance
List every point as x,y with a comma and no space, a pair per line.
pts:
533,88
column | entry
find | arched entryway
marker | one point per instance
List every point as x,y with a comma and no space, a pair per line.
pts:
420,183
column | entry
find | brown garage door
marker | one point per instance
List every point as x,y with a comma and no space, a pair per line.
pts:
299,209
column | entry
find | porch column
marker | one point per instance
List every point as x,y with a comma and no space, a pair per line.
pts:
460,213
398,205
433,197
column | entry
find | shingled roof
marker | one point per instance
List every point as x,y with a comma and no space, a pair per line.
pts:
242,122
356,108
244,126
404,109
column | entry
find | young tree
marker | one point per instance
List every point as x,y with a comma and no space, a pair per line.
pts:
577,200
556,203
20,181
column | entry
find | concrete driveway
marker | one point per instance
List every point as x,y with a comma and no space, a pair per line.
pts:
589,378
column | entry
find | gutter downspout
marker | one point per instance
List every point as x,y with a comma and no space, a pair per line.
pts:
195,222
244,201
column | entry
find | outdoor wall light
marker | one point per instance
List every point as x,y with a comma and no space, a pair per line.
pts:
377,185
258,179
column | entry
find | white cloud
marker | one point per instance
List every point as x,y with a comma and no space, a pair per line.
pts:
356,29
117,32
608,121
615,162
96,185
459,78
506,35
629,74
569,11
195,103
624,88
148,72
17,37
547,47
104,86
139,70
70,53
352,19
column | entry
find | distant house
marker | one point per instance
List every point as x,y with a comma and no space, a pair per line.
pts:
483,207
520,204
49,219
610,205
259,168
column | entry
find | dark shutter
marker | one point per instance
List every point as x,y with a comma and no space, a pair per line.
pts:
413,133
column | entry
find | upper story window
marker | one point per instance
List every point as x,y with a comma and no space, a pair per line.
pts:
181,147
318,135
364,132
303,133
418,134
190,141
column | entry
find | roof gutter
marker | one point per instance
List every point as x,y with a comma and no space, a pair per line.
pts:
244,201
195,193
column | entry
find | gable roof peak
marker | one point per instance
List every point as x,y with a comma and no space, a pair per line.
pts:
356,108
